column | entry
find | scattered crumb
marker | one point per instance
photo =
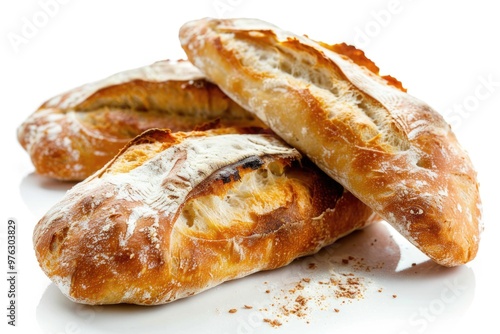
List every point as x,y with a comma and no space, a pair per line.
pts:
302,297
274,323
338,282
348,286
413,264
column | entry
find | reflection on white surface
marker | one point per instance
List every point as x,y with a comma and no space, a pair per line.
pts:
402,292
40,193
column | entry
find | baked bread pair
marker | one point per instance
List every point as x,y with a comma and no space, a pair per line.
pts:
176,211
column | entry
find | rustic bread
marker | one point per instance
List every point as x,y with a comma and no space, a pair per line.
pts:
391,150
74,134
174,214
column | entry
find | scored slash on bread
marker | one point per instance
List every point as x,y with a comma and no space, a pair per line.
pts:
74,134
174,214
391,150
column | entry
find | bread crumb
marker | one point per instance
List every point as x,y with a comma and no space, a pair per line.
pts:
274,323
233,310
306,295
248,307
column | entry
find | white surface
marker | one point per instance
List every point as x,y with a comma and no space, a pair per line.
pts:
445,54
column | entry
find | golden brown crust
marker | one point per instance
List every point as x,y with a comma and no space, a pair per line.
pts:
391,150
74,134
358,56
198,209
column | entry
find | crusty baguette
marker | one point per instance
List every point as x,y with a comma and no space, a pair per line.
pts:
74,134
174,214
391,150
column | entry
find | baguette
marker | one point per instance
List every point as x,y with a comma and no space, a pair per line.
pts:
74,134
391,150
174,214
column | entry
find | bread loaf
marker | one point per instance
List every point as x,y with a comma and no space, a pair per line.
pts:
390,149
74,134
174,214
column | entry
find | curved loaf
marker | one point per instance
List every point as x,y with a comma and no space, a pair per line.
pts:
74,134
175,214
391,150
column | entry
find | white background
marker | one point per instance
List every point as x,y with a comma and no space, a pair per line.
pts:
445,53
